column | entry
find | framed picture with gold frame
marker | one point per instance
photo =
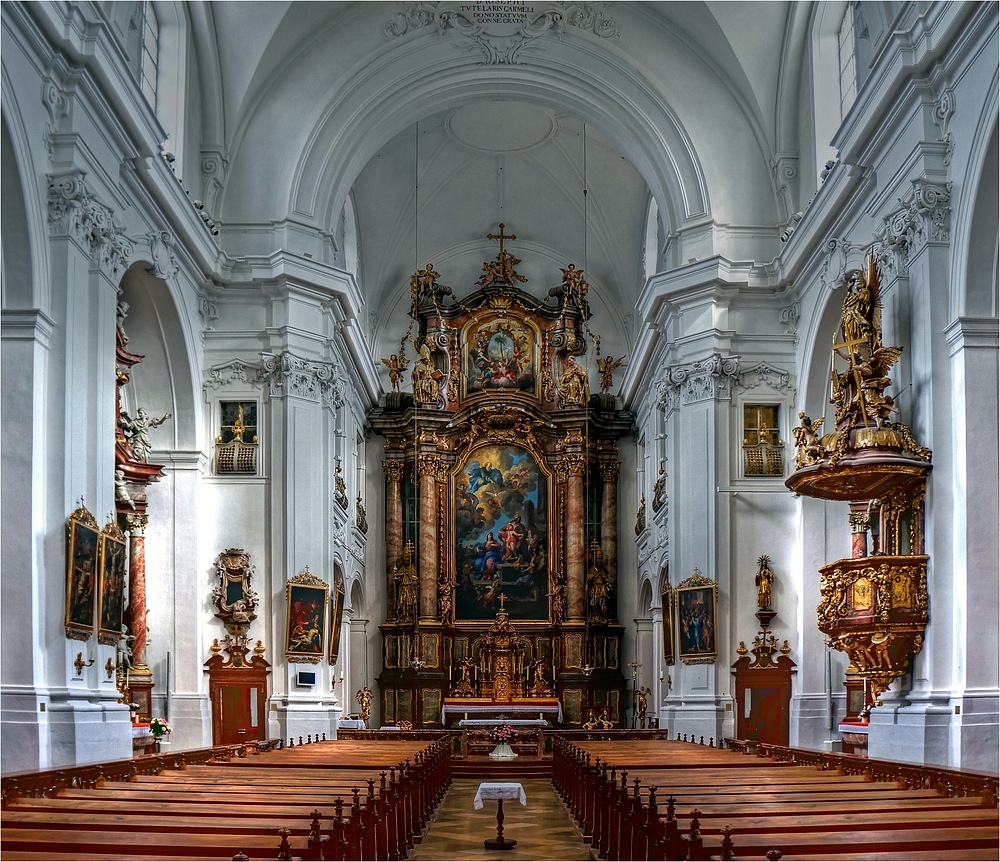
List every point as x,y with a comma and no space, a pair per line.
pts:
336,618
305,622
697,612
81,574
667,610
111,568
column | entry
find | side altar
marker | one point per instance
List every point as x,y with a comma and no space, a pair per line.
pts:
501,490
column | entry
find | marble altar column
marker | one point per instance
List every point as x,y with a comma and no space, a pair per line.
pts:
393,518
429,468
137,588
609,516
576,554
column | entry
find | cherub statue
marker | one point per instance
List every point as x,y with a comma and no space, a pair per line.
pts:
427,279
397,363
121,490
606,365
138,431
573,281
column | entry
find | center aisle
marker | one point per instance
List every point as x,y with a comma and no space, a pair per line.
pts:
542,828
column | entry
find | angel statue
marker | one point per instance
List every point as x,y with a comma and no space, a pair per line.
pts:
397,364
806,435
607,365
364,698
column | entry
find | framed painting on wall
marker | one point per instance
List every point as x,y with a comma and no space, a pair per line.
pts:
111,567
305,622
697,611
81,574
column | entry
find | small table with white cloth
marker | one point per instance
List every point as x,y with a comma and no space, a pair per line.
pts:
499,790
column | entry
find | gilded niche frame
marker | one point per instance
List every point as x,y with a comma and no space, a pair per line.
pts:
697,613
82,584
111,566
305,619
500,531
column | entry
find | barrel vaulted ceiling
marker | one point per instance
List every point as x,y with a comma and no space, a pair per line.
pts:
431,141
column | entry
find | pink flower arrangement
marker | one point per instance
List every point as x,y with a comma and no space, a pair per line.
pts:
502,733
159,727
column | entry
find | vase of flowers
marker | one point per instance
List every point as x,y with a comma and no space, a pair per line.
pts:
502,735
133,711
159,728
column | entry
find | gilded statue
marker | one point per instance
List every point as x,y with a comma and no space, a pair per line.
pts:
606,365
642,704
809,448
426,377
407,585
397,364
763,581
364,699
573,388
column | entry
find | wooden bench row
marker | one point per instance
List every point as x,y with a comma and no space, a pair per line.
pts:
673,795
376,809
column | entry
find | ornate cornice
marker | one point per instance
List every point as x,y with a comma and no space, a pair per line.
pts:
763,374
74,211
502,30
231,373
287,374
706,379
921,217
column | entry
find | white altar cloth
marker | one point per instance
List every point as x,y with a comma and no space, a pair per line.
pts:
494,722
499,790
480,706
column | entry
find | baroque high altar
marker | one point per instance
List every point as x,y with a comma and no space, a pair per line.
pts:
501,481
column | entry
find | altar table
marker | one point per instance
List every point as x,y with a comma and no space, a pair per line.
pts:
499,790
480,707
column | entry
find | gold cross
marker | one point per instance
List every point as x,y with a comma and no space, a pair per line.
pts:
501,236
503,598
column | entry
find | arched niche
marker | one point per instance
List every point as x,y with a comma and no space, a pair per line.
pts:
165,381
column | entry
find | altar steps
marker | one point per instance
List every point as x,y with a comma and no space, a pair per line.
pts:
490,769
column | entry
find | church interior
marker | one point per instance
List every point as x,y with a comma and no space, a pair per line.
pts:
500,377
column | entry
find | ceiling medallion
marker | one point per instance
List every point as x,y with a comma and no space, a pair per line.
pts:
502,30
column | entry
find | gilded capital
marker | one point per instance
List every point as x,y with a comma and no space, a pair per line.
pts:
136,523
393,470
610,470
432,465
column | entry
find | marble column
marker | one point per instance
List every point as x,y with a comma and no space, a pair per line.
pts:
429,468
393,519
576,552
609,516
137,588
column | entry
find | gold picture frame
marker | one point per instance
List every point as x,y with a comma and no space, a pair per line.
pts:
111,569
696,615
82,585
305,618
667,612
336,618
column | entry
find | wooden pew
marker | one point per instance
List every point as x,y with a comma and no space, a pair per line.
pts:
376,800
753,805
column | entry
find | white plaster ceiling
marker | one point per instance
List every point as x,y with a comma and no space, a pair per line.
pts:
431,190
